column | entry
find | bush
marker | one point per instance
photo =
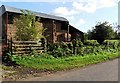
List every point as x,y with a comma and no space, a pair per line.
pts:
88,50
91,43
70,46
27,27
77,43
77,48
6,56
112,43
60,49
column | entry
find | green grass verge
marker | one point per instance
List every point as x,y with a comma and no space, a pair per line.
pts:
54,64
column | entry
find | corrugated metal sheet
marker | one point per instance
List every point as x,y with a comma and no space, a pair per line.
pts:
4,9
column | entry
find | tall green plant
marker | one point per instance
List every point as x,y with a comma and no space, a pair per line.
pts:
28,27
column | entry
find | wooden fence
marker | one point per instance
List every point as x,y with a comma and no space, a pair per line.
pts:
26,47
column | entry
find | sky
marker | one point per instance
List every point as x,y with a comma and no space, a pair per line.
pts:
82,14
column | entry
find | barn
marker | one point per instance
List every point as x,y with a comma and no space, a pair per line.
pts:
58,28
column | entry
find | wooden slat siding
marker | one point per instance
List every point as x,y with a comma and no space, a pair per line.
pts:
25,47
25,42
26,52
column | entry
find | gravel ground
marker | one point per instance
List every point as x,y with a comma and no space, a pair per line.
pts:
11,73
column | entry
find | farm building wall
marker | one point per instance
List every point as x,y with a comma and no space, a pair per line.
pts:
0,36
53,31
56,31
11,32
3,34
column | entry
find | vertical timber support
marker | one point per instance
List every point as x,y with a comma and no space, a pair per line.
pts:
53,32
45,45
68,33
1,43
11,45
6,27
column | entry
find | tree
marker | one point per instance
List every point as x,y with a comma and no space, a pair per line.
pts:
117,31
85,36
101,32
117,35
28,27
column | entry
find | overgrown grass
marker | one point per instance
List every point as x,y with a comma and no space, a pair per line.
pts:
62,63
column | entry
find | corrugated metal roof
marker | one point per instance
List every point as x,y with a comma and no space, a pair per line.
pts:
4,9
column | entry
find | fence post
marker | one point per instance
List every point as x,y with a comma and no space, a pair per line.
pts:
45,45
74,46
11,45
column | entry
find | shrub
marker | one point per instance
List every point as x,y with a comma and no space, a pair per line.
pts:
80,44
88,50
70,46
77,43
60,49
28,27
112,43
91,43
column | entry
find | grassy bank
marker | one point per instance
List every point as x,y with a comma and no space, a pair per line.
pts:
45,62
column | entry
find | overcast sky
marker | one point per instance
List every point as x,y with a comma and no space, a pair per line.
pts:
83,14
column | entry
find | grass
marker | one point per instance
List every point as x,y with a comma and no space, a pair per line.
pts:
54,64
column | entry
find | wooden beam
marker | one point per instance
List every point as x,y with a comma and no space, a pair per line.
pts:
6,27
54,30
68,33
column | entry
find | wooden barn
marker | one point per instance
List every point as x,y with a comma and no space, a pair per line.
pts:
58,28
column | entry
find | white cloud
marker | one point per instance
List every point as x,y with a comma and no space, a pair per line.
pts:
70,17
80,22
36,0
90,6
109,2
81,7
64,11
106,3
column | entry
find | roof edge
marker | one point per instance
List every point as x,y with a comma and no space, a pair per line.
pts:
39,14
2,10
76,29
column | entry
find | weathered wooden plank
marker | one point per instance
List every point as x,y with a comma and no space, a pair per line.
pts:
21,45
24,42
26,47
26,52
18,49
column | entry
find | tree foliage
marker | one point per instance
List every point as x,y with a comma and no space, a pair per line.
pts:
117,32
117,35
28,27
101,32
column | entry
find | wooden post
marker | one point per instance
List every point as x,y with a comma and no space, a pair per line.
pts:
45,45
68,33
74,46
54,30
11,42
6,27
